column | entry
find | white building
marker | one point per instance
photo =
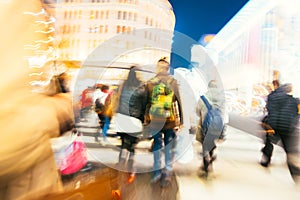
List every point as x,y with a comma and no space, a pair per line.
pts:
260,39
118,25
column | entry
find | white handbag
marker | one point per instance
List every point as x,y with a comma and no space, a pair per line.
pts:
127,124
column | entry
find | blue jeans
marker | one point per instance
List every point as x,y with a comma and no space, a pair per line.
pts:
166,144
105,127
104,124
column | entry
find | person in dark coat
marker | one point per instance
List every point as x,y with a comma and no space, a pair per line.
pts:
131,103
284,119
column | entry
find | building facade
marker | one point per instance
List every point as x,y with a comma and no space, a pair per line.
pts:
258,45
84,25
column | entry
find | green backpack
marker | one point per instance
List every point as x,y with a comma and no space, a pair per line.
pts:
161,100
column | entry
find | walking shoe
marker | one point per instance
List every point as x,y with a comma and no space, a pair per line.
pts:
202,173
103,142
206,163
165,180
156,177
265,161
130,177
213,158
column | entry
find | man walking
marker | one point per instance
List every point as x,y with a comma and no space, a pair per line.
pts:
163,117
284,119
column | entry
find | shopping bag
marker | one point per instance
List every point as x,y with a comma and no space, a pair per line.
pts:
70,153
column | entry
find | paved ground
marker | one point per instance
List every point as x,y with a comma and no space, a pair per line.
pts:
236,175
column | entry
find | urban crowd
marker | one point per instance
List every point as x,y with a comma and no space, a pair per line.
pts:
29,120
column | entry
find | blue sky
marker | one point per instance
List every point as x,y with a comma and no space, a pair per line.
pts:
197,17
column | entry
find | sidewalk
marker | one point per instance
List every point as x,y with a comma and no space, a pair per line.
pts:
237,173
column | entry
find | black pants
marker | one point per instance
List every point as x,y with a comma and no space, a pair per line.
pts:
290,144
208,150
127,151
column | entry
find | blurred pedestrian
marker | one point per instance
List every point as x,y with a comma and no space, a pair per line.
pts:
86,102
208,139
131,107
104,103
283,118
28,120
164,118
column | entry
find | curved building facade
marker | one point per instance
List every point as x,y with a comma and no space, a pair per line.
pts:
84,25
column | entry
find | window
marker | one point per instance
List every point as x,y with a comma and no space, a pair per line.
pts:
147,20
101,29
65,14
118,29
123,29
135,16
92,14
130,16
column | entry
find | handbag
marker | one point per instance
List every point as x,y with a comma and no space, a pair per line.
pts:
70,153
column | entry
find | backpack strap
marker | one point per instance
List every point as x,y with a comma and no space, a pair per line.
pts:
169,81
206,102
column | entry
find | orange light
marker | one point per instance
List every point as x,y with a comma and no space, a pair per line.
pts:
208,38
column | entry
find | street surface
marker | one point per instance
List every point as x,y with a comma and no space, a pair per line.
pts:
237,173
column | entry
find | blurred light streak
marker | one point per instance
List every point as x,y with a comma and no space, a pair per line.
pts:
45,41
46,32
43,12
36,66
32,47
36,74
52,20
39,83
45,51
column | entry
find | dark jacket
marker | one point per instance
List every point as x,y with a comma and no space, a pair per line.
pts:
164,77
282,111
132,101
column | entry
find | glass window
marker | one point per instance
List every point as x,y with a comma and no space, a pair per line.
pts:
119,14
135,16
